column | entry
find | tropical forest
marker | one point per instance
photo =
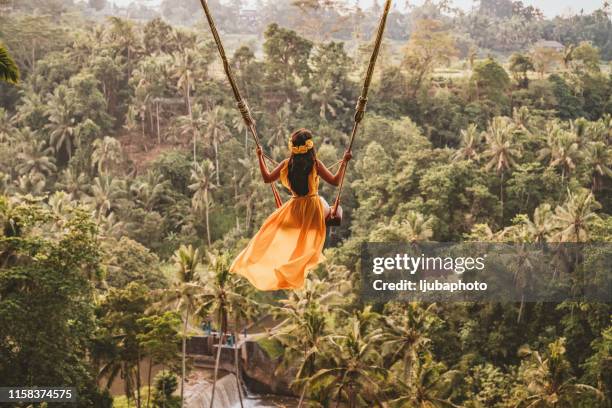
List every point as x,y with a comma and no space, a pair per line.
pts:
129,182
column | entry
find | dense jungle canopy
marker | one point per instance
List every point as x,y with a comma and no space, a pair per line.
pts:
128,183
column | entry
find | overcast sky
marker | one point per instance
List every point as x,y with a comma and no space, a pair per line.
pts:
549,7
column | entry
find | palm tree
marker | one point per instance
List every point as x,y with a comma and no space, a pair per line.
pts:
222,295
405,334
183,68
470,144
9,72
547,381
241,127
328,97
282,122
429,386
216,131
32,183
540,229
416,227
151,190
599,162
354,364
562,149
6,125
193,124
122,36
31,109
302,335
501,150
201,175
74,184
184,295
62,123
105,191
574,218
35,157
107,153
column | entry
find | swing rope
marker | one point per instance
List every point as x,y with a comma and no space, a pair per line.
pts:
246,112
241,103
363,98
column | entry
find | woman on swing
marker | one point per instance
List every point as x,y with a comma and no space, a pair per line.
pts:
290,241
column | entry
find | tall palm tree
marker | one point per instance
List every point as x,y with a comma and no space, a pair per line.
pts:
561,149
193,124
151,190
122,36
547,381
201,175
107,153
32,183
429,386
105,190
416,227
216,131
302,335
35,157
354,364
405,334
501,151
6,125
183,295
31,109
62,123
540,229
574,218
183,71
9,72
471,139
241,127
328,97
599,162
224,296
282,122
74,184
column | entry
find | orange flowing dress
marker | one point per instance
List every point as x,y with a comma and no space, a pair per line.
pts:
289,243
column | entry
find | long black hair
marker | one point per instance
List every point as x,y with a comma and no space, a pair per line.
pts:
300,165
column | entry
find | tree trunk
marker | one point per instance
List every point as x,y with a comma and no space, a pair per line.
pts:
138,401
188,98
206,211
501,196
216,146
184,356
157,116
338,397
302,396
149,380
237,365
217,361
520,313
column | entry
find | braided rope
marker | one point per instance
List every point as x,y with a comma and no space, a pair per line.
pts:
241,103
363,98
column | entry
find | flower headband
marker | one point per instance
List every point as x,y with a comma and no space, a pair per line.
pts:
301,149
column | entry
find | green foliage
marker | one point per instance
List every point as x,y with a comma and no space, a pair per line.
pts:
129,119
491,80
165,385
47,274
9,71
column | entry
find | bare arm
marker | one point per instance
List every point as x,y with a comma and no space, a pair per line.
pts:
268,176
333,179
